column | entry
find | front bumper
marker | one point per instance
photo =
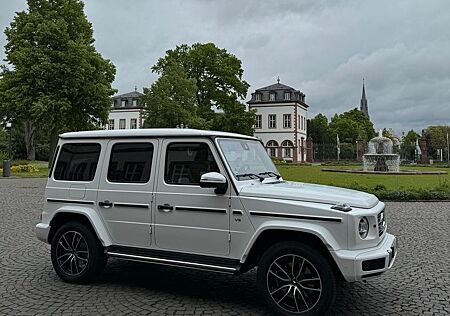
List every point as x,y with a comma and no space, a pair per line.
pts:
42,230
376,260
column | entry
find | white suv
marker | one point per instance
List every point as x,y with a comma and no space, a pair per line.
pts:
212,201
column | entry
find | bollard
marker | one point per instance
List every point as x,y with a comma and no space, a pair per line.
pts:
6,168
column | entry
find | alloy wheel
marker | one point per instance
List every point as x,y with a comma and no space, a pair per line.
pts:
72,253
294,283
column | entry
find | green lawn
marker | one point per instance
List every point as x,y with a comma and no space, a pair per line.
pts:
313,174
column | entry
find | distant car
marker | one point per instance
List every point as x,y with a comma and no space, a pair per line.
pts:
212,201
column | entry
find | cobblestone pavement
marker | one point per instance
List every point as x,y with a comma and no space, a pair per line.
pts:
419,282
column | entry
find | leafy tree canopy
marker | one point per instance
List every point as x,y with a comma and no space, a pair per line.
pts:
54,76
436,137
318,129
219,85
171,100
351,124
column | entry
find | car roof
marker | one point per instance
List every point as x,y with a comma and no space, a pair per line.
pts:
152,132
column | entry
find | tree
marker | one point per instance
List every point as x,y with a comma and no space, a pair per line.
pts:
219,84
319,130
171,100
351,124
408,145
55,79
436,137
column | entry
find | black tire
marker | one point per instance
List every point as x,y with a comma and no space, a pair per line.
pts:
294,284
77,254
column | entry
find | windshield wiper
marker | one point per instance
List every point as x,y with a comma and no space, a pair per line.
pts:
270,173
250,175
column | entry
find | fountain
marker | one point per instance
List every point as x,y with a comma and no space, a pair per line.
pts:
380,157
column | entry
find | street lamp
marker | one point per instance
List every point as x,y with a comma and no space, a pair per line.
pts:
7,162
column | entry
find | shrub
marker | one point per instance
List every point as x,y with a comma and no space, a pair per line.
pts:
24,168
379,187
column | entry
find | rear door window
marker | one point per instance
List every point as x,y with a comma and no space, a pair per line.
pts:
130,163
77,162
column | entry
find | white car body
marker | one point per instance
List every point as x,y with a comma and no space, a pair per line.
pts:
192,226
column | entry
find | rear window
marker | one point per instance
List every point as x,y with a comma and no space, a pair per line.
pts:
130,163
77,162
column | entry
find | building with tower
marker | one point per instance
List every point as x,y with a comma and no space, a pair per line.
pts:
281,114
364,107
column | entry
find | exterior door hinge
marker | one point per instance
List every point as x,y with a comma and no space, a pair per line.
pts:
150,229
229,202
229,237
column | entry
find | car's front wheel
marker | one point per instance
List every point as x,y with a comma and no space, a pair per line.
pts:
296,279
77,254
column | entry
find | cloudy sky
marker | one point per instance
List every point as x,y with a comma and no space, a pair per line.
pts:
323,48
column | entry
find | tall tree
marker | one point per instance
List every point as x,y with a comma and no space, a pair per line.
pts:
318,129
54,77
219,84
351,124
408,145
171,100
436,136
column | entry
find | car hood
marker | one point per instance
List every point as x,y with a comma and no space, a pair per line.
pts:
309,192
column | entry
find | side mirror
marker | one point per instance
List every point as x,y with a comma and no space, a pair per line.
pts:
214,180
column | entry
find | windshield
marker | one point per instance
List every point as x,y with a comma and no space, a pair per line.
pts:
247,159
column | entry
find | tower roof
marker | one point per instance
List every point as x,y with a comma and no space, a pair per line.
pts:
278,93
276,86
363,92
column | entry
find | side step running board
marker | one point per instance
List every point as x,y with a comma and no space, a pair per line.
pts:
173,262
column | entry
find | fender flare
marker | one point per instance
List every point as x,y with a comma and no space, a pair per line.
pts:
319,231
93,217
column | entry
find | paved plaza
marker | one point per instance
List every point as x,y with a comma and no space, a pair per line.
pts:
419,282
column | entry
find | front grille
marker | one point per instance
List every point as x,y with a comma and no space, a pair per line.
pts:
381,223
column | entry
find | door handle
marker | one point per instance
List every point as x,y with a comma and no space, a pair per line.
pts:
105,204
166,207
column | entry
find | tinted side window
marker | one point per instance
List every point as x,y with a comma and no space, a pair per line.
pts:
130,163
77,162
186,162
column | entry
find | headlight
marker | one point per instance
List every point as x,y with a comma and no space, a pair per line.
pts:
363,227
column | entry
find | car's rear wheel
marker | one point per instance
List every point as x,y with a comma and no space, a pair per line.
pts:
77,254
296,279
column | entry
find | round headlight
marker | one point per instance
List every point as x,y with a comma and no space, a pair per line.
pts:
363,227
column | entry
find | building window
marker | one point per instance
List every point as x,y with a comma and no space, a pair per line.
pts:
301,122
130,162
257,96
123,103
135,103
272,146
133,123
122,124
287,95
286,121
115,103
258,121
272,121
287,147
111,124
272,96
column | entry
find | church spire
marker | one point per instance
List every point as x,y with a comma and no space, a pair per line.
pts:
363,106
